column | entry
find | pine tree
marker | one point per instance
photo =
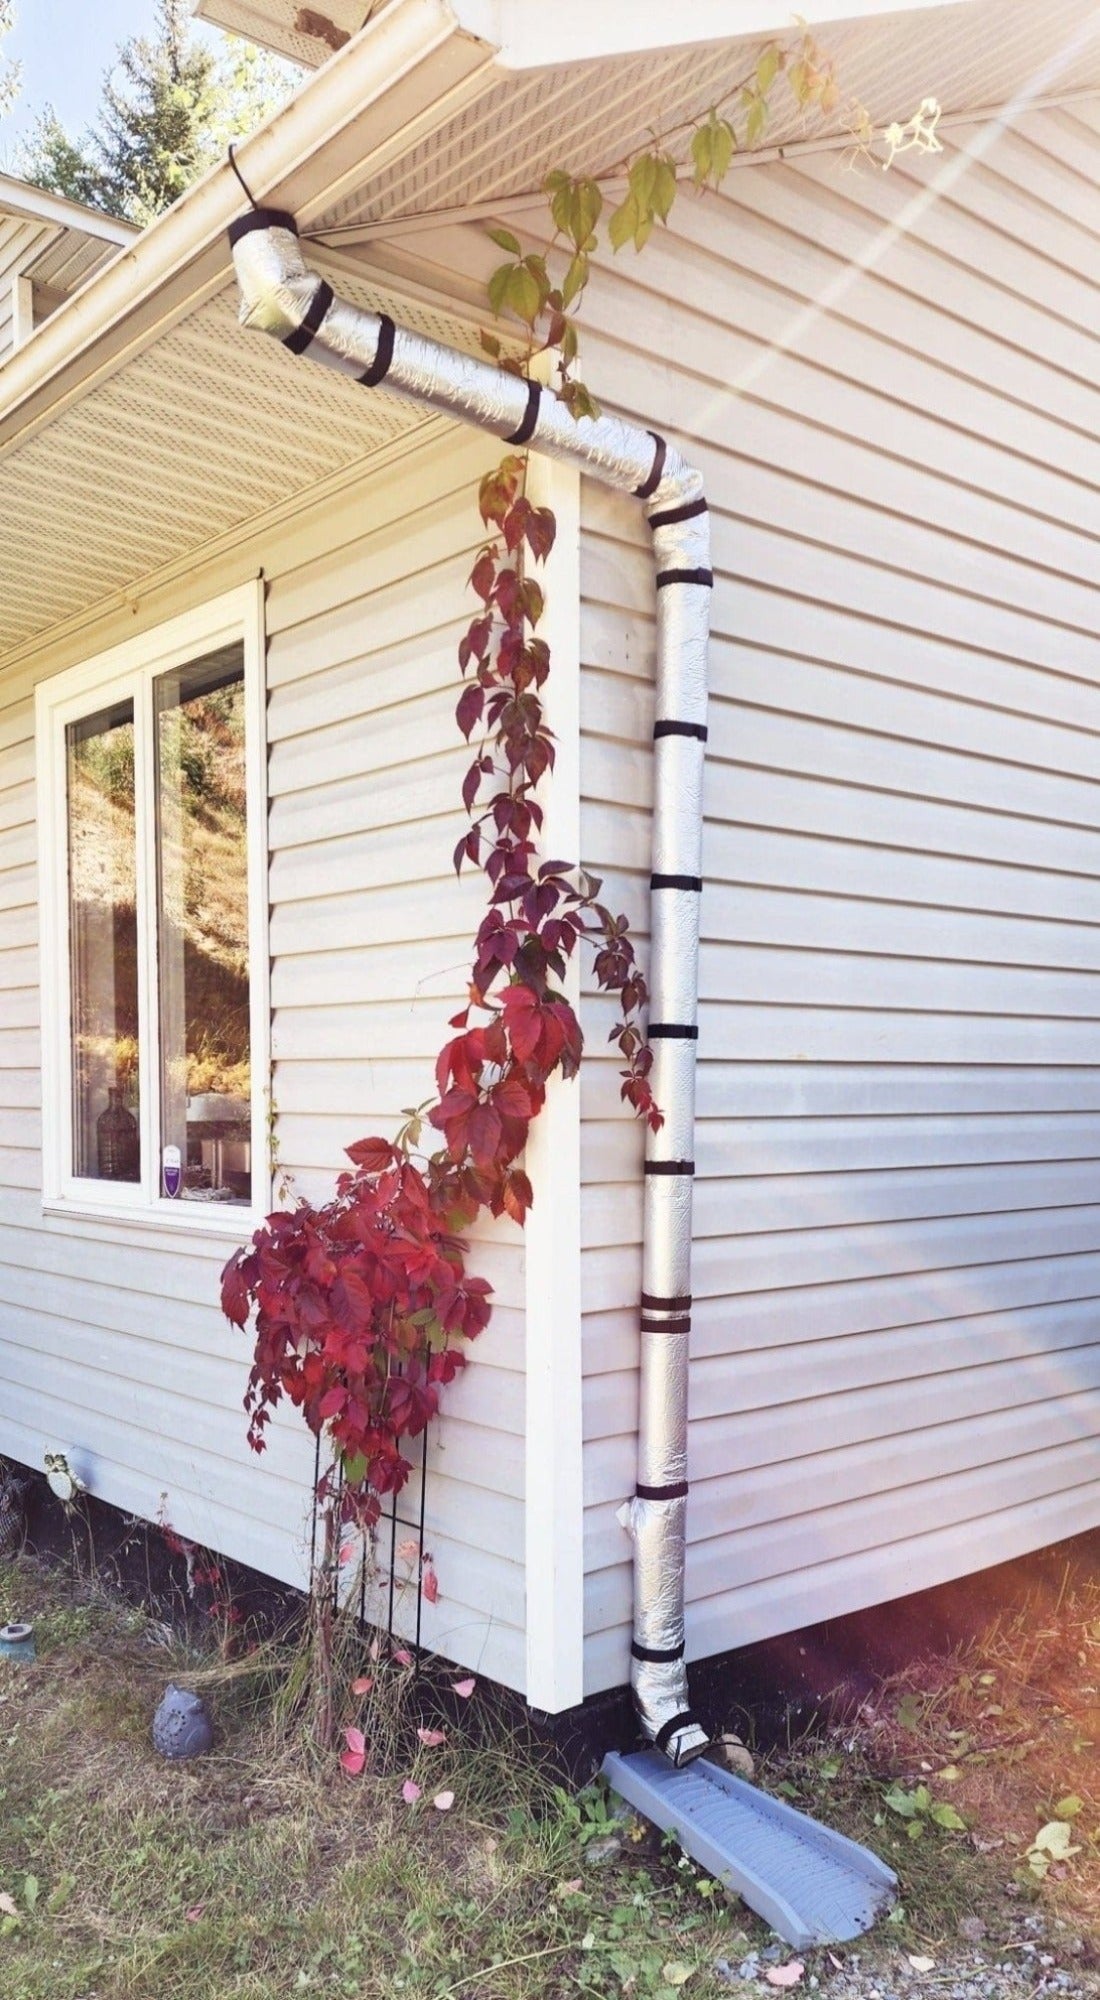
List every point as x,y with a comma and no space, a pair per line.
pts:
9,71
169,108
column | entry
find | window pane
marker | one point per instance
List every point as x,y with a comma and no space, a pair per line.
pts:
103,944
202,930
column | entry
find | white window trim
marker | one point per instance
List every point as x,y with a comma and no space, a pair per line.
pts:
132,667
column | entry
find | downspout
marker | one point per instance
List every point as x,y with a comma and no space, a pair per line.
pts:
280,296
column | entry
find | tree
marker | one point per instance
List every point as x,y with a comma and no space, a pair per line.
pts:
169,108
9,71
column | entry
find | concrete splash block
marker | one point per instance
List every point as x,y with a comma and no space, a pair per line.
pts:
810,1884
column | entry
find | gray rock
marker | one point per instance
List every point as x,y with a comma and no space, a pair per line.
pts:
598,1853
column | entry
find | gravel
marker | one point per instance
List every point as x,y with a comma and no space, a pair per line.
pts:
1036,1962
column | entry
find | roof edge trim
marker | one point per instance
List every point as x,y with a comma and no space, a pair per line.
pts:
379,57
36,204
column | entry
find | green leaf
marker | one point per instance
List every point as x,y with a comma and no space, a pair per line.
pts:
768,68
947,1817
643,232
643,180
586,207
702,153
575,279
756,121
1069,1807
498,287
30,1892
725,146
504,240
523,294
909,1713
664,187
1055,1839
623,223
901,1802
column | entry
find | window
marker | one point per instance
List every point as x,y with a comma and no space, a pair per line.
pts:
154,954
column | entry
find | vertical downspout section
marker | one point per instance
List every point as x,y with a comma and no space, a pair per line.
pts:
282,297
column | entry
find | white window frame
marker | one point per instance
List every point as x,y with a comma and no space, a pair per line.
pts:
126,671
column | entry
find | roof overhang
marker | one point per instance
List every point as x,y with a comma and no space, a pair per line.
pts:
531,35
34,204
412,120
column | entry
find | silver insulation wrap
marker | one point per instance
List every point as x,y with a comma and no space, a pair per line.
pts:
282,297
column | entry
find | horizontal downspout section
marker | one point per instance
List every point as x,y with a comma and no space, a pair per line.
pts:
282,297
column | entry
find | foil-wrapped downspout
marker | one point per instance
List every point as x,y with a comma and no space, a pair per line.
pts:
282,297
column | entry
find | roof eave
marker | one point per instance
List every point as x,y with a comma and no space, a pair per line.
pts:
356,110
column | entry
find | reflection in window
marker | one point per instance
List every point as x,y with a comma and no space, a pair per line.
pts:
103,932
202,930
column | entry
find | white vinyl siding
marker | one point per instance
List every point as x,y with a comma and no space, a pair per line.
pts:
371,939
111,1341
896,1362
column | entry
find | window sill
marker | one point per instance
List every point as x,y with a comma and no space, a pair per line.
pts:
229,1225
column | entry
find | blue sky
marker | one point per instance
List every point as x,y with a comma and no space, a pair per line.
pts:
64,47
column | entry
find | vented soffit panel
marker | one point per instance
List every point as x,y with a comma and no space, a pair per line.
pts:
112,462
305,33
972,55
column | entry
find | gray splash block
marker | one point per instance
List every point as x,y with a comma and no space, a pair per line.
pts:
810,1884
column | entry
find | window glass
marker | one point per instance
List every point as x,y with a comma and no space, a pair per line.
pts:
202,930
103,998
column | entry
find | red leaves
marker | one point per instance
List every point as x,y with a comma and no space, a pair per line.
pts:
362,1306
372,1156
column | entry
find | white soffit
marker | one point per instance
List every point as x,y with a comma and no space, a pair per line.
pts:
532,35
970,54
307,31
257,426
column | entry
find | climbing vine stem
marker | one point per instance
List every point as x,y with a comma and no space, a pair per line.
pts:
362,1306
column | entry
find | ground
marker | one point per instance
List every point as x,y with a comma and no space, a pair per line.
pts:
265,1869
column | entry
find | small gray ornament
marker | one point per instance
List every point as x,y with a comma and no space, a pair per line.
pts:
181,1725
17,1644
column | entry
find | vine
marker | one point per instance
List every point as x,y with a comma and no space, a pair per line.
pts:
362,1305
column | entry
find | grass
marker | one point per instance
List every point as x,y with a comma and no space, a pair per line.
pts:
263,1870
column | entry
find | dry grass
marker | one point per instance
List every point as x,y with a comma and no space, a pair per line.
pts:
262,1871
1005,1734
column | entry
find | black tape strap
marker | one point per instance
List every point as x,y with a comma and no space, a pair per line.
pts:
696,729
688,512
383,354
681,1303
649,486
670,1166
261,218
677,1323
530,416
685,1721
692,882
667,576
658,1656
678,1490
671,1031
319,304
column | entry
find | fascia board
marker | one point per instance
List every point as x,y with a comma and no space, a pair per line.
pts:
531,35
406,71
32,204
